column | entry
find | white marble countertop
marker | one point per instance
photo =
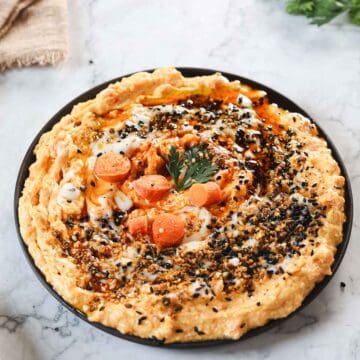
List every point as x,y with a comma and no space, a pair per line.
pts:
319,68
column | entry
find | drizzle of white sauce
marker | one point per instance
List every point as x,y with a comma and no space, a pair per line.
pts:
132,253
234,261
193,246
178,109
234,219
209,114
272,268
187,126
140,117
244,101
238,148
105,208
90,162
251,117
69,192
286,263
200,288
93,215
122,201
100,237
125,146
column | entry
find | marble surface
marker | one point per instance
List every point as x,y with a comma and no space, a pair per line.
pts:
319,68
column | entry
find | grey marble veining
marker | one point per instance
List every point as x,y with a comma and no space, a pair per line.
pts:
319,68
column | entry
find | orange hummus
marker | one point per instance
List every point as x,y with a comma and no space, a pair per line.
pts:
183,209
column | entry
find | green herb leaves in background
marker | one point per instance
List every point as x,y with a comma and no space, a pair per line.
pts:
194,166
323,11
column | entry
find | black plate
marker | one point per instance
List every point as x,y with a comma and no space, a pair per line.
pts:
274,97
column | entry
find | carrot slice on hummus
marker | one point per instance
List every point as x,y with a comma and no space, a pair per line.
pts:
138,225
168,230
205,194
112,167
152,187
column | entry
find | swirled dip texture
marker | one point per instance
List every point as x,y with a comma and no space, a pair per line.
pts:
208,259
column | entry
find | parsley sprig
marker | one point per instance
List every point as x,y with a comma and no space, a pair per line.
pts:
193,166
323,11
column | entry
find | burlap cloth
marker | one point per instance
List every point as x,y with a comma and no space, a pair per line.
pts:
32,32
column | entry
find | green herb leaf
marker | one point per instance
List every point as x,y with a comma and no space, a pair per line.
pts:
323,11
354,12
175,165
300,7
194,166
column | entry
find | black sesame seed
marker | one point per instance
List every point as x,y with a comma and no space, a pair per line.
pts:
166,301
141,319
199,332
119,217
178,308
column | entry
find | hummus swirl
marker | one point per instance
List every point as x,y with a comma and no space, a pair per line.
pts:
243,241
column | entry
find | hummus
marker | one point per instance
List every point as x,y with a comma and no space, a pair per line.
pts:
183,209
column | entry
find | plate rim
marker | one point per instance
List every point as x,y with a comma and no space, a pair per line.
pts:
29,157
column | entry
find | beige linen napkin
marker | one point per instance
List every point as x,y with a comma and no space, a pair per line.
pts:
32,32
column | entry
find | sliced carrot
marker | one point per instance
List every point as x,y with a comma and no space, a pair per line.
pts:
112,167
152,187
138,225
168,230
205,194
